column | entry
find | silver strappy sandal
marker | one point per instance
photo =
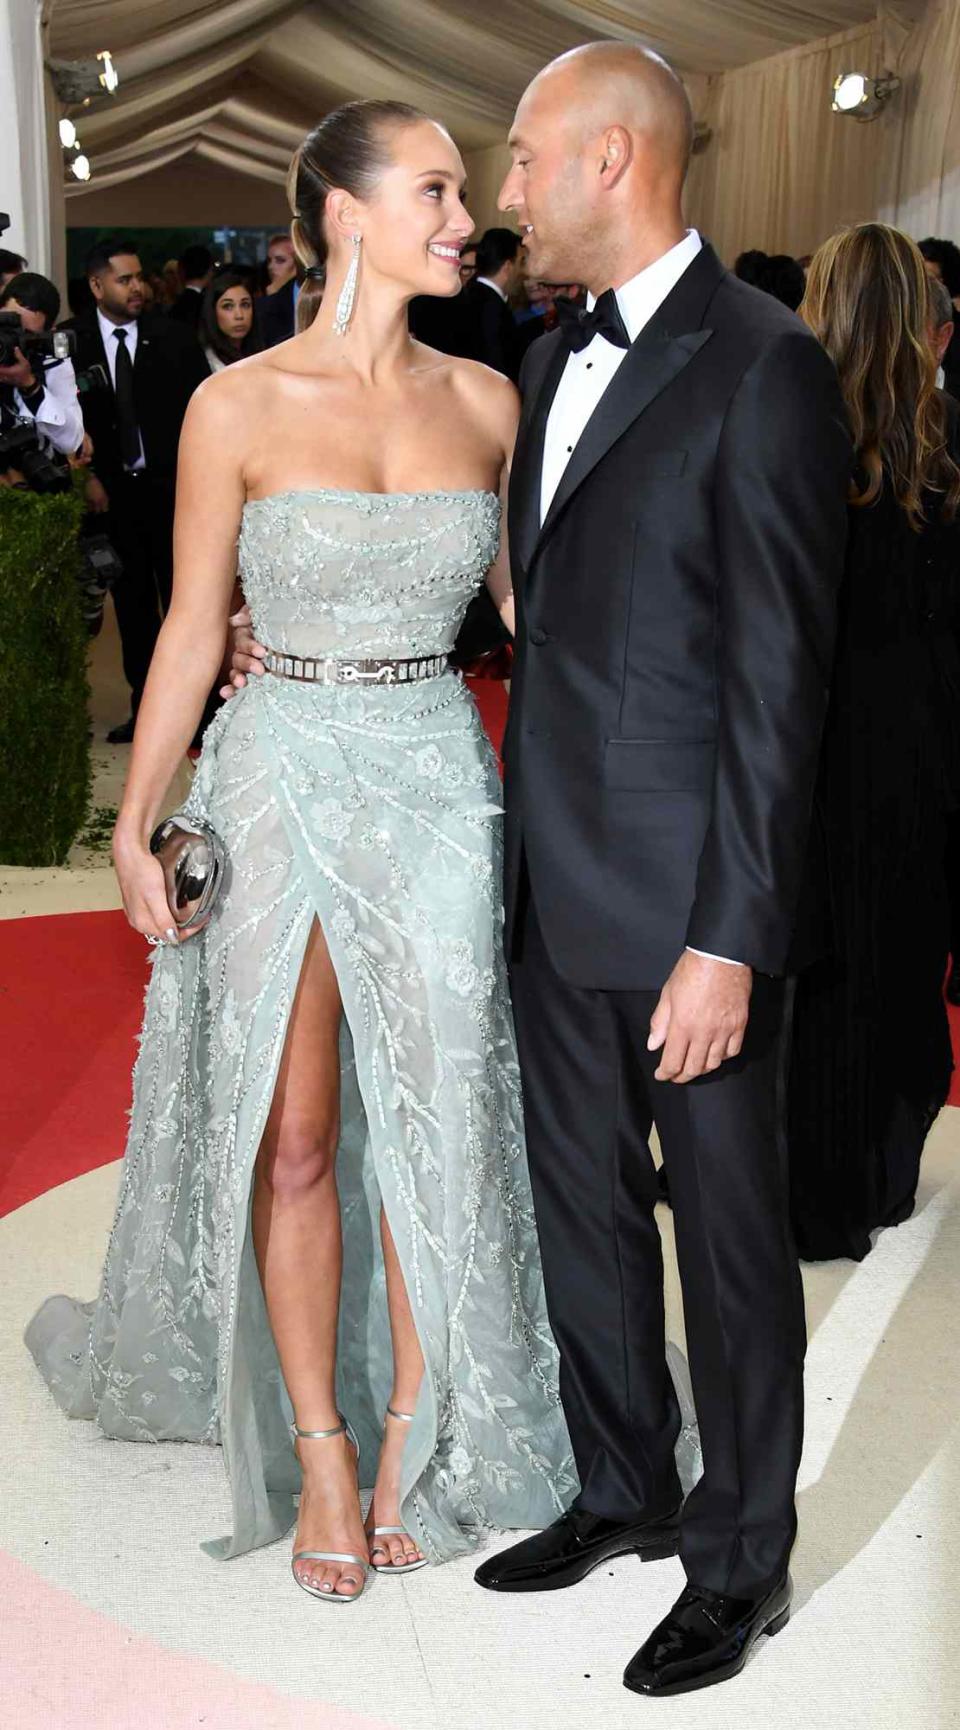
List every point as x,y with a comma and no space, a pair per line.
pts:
362,1562
397,1531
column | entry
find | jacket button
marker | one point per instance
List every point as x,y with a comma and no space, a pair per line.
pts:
537,637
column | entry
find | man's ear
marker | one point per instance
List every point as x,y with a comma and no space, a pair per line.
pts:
617,153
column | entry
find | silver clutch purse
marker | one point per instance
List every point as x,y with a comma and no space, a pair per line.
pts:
193,858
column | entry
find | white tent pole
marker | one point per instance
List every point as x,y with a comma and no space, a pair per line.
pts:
23,163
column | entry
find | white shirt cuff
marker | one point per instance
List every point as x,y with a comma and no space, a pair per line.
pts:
726,959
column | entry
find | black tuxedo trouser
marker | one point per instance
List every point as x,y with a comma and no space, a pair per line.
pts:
140,526
589,1101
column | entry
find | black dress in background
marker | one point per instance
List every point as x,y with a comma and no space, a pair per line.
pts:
871,1059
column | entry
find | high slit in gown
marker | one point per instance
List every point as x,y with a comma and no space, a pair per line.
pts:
375,810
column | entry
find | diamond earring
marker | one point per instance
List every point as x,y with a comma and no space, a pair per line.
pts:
348,293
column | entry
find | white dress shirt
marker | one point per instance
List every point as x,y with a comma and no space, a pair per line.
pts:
108,331
58,419
495,286
587,374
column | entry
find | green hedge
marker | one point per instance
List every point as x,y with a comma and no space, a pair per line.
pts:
44,738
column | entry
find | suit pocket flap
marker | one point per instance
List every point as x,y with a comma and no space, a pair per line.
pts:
659,765
660,465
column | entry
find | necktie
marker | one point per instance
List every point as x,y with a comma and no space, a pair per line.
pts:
580,326
126,406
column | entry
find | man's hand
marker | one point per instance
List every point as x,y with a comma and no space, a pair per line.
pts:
95,494
248,654
701,1017
21,375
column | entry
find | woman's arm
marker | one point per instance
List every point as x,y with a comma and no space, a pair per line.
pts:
190,647
499,581
501,408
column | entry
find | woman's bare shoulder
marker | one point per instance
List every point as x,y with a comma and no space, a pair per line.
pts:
487,394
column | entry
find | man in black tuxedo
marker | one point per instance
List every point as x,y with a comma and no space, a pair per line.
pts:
490,328
197,267
149,368
677,529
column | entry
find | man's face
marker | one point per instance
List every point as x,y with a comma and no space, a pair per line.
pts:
547,186
281,260
932,268
941,338
32,321
118,290
468,265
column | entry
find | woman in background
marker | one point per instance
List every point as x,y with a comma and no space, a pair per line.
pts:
226,320
871,1060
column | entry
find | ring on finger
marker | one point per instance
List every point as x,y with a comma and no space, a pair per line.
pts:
151,938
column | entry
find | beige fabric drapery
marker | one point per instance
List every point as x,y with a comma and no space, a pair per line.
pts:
238,83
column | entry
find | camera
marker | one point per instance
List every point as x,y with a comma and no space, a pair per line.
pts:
42,348
100,570
21,449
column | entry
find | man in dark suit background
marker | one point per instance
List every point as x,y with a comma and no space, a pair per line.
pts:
490,327
677,534
150,367
197,267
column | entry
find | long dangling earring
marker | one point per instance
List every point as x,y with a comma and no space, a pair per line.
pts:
348,293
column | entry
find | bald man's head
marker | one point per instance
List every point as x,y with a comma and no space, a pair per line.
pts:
606,84
601,142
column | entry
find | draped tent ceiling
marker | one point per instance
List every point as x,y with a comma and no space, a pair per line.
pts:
239,83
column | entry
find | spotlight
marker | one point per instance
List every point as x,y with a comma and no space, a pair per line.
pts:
80,167
68,133
109,77
78,81
860,96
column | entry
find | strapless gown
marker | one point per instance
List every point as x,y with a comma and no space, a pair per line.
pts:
375,810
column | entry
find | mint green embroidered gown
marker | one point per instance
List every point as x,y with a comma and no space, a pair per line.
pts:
376,811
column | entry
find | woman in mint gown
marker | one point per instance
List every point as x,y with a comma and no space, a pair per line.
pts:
325,1212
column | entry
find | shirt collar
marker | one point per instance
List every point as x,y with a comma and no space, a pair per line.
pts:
495,286
639,298
108,328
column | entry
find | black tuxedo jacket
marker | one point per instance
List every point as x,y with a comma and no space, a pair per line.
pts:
491,329
186,308
675,628
276,315
168,366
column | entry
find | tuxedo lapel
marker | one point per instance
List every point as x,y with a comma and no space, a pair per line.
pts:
658,356
652,363
528,457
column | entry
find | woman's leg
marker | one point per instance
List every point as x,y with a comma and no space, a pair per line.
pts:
296,1235
407,1376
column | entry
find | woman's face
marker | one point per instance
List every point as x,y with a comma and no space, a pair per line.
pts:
235,314
415,224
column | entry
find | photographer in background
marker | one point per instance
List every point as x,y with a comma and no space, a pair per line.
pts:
147,368
45,391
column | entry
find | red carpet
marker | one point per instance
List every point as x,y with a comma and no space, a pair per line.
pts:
71,992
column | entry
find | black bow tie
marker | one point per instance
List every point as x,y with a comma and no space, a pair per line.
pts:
580,326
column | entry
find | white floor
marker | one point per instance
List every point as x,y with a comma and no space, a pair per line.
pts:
872,1641
113,1619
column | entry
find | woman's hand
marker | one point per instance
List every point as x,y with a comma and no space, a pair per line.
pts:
143,888
247,656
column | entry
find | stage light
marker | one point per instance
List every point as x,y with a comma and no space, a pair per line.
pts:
68,133
860,96
80,167
109,77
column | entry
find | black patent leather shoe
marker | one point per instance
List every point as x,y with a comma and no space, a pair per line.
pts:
123,734
953,986
575,1544
706,1638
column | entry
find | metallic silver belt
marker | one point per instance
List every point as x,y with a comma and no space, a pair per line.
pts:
330,671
